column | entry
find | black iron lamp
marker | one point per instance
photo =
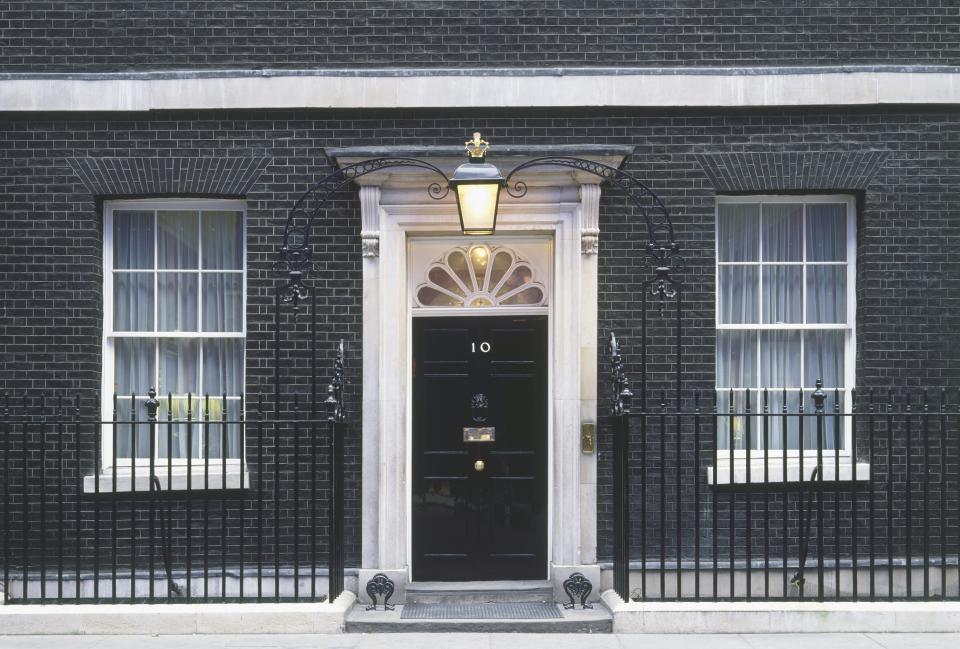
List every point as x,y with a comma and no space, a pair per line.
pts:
477,186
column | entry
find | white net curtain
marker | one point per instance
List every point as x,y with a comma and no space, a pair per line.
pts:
781,313
178,325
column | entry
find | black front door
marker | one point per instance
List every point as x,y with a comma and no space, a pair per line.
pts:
479,448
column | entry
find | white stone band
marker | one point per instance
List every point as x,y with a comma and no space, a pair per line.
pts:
423,88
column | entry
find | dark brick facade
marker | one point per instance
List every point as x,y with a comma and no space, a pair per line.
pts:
78,35
50,233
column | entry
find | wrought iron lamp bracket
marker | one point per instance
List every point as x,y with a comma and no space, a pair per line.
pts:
662,249
296,258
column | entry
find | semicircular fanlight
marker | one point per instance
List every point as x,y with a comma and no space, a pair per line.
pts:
480,276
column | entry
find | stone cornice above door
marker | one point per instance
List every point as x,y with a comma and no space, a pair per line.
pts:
546,184
506,157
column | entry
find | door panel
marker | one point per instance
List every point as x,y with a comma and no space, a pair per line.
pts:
479,372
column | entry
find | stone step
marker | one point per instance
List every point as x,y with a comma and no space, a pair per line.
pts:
595,620
440,592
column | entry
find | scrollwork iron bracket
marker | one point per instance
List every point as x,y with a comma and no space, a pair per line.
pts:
380,586
296,256
662,248
577,585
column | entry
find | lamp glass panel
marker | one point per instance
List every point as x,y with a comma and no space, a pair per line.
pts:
478,206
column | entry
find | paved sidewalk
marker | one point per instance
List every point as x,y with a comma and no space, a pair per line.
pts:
493,641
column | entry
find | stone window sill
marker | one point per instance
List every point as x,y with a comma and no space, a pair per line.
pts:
720,476
199,481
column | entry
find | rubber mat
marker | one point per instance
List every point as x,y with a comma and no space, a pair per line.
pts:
482,611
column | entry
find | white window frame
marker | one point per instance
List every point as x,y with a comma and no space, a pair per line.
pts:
724,472
178,465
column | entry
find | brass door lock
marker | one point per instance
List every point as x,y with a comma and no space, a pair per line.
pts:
479,465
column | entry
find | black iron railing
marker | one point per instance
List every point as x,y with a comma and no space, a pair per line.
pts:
709,506
251,509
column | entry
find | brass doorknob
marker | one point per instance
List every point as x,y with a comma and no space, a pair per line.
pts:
479,465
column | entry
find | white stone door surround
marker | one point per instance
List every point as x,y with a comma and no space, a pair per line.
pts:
562,205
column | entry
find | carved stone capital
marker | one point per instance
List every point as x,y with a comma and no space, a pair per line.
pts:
589,241
370,244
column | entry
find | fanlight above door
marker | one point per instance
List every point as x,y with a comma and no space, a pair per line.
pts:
481,276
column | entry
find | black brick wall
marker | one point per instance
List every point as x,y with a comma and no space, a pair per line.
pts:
50,278
74,35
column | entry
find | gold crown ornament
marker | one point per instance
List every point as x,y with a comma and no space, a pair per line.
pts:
477,147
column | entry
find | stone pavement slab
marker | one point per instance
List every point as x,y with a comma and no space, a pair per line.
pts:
915,640
673,641
823,640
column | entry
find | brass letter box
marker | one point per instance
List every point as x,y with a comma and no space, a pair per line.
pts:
481,434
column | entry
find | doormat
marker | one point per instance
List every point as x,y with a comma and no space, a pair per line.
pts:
482,611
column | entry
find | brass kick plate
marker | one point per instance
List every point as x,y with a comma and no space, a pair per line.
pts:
481,434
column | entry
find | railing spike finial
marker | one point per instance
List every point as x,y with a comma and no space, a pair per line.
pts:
152,404
819,396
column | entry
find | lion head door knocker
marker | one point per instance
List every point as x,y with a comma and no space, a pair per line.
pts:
478,432
478,407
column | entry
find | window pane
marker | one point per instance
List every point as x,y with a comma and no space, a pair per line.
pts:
177,302
738,232
823,358
222,240
132,239
223,427
782,294
736,359
134,366
132,428
179,366
428,296
826,232
177,234
826,294
782,229
222,302
776,426
176,433
530,295
737,428
133,301
739,294
830,438
223,366
780,359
